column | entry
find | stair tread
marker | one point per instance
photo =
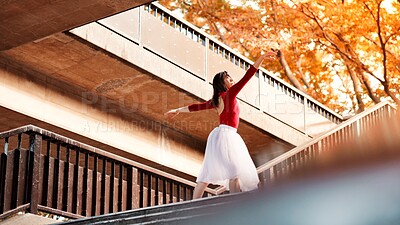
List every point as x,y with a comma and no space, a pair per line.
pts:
165,212
153,215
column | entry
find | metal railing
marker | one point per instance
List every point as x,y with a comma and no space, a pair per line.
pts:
44,171
238,60
348,130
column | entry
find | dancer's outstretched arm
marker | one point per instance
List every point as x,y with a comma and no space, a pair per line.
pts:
174,112
190,108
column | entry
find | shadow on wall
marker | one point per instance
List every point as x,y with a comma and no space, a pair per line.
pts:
355,184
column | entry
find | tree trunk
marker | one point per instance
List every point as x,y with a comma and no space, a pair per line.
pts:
390,93
357,89
370,92
303,77
288,72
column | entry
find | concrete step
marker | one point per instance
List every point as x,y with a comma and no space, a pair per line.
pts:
27,219
174,213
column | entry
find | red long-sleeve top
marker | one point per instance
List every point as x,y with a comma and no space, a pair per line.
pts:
230,113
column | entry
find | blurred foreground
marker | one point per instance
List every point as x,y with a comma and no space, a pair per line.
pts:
354,184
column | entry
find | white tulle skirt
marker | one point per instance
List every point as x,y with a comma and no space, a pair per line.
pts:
226,158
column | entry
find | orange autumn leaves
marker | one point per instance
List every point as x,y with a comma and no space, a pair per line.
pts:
345,54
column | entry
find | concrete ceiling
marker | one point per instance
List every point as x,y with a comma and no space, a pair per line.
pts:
23,21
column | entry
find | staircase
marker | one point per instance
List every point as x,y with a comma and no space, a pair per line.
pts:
44,171
357,197
369,181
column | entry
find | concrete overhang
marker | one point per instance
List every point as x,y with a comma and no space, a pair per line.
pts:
23,21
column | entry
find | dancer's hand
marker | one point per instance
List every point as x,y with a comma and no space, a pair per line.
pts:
171,113
270,55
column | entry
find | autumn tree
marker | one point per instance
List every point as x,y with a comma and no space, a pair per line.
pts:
345,54
360,34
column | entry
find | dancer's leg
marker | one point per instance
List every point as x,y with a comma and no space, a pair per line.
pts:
234,185
199,190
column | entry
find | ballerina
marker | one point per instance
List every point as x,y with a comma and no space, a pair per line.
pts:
227,161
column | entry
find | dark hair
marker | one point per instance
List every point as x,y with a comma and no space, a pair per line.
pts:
218,86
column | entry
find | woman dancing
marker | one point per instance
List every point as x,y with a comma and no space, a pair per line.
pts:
227,161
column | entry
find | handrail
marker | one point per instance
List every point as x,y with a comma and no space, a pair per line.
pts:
33,128
79,173
243,62
318,139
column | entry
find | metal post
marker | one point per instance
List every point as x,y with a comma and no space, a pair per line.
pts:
305,115
141,8
206,46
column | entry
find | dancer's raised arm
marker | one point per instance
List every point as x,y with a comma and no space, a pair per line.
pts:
235,89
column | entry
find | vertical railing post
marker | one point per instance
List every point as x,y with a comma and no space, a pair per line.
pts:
156,191
358,131
3,166
305,115
75,183
120,187
46,169
35,141
141,189
66,188
3,171
164,184
111,188
130,184
56,177
260,89
85,185
141,8
171,191
103,187
94,205
184,193
178,192
206,46
149,186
